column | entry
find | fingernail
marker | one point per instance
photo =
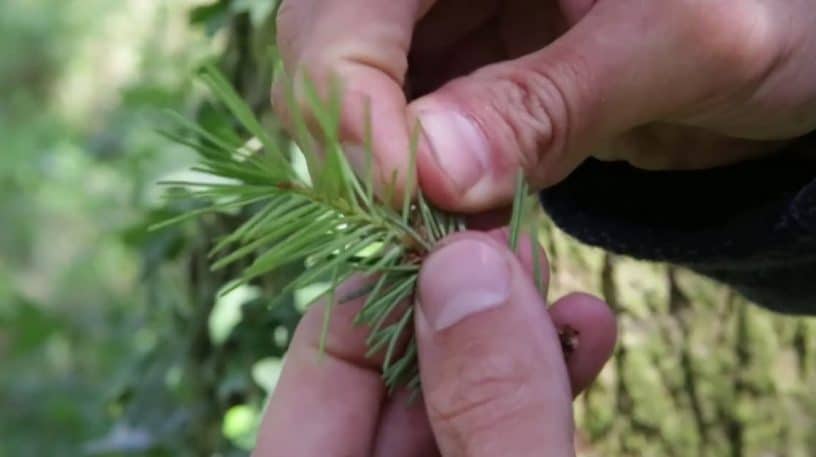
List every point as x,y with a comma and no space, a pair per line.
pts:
463,278
458,145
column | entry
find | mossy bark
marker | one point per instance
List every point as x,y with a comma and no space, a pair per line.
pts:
698,370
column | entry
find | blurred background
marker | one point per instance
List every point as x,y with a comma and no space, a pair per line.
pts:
111,342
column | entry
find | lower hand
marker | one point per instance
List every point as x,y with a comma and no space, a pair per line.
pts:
495,380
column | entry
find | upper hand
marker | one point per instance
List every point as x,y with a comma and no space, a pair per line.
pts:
494,378
662,84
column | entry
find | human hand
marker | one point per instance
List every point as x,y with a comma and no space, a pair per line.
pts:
664,84
494,377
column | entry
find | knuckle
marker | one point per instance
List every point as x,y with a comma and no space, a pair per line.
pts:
536,109
478,391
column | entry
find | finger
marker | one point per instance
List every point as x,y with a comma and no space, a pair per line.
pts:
493,372
404,429
583,322
325,403
575,10
588,333
363,44
547,111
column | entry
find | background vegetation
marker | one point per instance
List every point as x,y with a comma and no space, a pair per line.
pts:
111,342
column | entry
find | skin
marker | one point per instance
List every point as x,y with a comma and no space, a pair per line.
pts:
664,85
538,85
495,383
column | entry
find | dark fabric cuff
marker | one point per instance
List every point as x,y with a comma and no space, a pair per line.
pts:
752,225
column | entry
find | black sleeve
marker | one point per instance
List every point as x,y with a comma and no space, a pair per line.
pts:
751,225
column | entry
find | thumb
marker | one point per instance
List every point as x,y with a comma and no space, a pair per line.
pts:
624,64
493,372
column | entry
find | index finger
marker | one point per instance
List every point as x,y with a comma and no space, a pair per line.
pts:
325,403
364,44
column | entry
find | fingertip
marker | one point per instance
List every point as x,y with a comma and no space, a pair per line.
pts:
588,326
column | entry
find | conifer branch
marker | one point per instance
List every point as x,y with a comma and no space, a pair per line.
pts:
327,219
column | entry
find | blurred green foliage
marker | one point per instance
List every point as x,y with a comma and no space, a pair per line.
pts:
111,341
104,343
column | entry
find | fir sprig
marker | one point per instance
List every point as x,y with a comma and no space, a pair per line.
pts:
328,220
